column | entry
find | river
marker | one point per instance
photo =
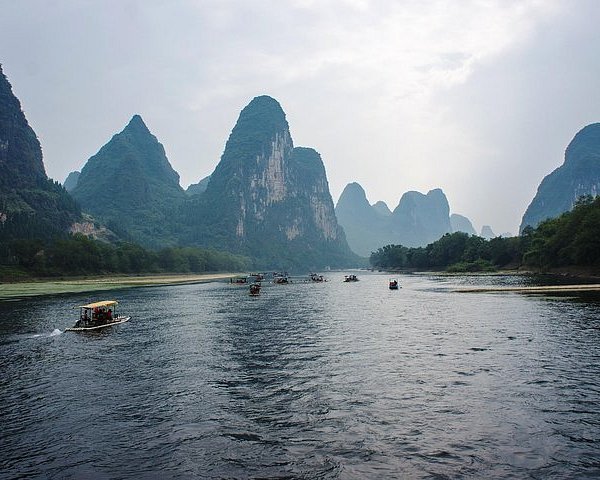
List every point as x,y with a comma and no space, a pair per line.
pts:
323,380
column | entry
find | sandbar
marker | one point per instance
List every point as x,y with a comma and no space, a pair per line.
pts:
19,290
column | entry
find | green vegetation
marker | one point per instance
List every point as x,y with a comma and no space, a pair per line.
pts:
42,210
573,239
80,255
130,185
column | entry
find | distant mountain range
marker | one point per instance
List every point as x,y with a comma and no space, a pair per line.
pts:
579,175
417,220
266,198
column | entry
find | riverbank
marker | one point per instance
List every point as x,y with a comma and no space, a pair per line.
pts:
20,290
541,289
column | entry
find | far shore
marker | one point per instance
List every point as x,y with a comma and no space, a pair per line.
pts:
21,290
541,289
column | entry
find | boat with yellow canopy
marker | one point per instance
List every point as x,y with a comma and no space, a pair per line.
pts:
97,315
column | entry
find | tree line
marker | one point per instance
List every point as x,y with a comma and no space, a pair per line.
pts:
572,239
79,255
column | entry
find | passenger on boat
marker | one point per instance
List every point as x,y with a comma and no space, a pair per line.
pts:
109,314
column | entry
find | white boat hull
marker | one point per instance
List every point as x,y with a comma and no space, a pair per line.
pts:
117,321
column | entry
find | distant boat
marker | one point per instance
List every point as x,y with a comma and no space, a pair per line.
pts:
350,278
239,280
314,277
95,316
280,280
394,285
254,289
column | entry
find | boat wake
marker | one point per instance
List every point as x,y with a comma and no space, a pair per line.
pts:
54,333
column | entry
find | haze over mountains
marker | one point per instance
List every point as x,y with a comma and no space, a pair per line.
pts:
417,220
266,198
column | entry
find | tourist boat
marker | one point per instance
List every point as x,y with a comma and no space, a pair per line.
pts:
394,285
314,277
97,315
255,289
350,278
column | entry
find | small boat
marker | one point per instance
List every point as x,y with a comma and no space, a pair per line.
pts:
350,278
255,289
281,280
97,315
238,280
394,284
314,277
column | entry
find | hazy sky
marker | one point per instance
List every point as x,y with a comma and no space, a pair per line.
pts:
477,97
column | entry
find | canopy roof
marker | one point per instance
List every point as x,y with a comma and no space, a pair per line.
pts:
103,303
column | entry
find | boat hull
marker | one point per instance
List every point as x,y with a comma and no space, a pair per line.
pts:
117,321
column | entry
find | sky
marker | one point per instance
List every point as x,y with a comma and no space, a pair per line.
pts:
477,97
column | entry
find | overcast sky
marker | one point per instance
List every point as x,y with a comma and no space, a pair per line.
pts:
479,98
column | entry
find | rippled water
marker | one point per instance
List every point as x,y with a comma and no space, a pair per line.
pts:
330,380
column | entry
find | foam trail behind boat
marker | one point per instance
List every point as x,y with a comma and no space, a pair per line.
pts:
54,333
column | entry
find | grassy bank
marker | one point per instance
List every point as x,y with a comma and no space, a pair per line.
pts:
13,291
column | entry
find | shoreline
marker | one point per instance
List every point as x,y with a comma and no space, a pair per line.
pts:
540,289
23,290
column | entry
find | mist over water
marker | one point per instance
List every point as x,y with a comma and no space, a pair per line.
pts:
332,380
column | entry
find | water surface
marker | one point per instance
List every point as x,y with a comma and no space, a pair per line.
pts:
332,380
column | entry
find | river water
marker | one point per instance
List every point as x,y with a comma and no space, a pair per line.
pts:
331,380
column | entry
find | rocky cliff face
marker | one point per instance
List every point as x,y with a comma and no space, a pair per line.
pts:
31,205
267,198
421,219
130,185
579,175
366,228
460,223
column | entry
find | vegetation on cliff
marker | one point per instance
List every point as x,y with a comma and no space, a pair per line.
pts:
31,204
130,185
